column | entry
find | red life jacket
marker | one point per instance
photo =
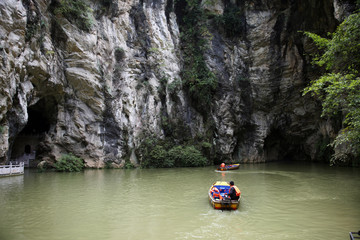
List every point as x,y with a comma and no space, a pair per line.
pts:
215,192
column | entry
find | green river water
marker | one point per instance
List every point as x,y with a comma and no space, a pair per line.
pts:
279,201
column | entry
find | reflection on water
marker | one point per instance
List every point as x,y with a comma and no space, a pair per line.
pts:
9,182
279,201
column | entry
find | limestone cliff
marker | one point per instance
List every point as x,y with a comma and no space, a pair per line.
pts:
98,88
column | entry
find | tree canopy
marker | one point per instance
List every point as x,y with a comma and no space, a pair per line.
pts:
338,88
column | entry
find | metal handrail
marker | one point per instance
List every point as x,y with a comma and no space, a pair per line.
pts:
352,237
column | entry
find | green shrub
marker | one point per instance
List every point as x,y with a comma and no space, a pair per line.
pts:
119,54
108,165
158,154
206,145
77,12
129,165
187,156
69,163
232,20
158,158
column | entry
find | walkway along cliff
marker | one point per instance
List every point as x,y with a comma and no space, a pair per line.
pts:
97,78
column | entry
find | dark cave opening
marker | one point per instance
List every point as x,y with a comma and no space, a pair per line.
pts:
280,147
273,146
180,11
38,122
41,117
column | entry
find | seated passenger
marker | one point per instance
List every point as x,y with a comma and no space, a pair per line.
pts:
234,192
215,193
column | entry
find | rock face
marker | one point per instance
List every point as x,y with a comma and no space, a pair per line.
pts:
99,92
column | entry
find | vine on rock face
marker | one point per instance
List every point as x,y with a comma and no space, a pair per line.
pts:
233,20
198,79
77,12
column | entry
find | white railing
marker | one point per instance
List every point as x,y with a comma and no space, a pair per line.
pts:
12,169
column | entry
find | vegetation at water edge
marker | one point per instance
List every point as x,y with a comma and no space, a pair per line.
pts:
160,154
69,163
338,89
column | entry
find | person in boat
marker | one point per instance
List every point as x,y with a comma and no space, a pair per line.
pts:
222,165
215,193
234,192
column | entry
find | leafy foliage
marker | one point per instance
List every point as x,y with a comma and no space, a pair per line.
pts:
186,156
232,20
119,54
108,165
339,88
69,163
158,157
198,79
129,165
161,154
76,11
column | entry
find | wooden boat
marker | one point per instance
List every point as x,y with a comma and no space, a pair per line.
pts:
229,167
222,203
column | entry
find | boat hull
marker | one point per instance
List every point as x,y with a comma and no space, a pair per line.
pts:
229,167
222,204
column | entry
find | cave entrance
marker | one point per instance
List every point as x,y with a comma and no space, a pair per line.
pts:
41,117
273,146
280,147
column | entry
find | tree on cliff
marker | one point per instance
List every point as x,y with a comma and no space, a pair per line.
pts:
339,88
